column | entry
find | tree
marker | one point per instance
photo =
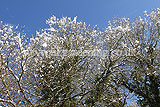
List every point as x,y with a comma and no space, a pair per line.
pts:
17,82
71,78
73,64
141,72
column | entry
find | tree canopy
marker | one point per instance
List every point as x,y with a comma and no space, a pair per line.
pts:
72,64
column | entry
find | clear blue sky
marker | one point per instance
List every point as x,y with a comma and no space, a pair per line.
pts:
33,13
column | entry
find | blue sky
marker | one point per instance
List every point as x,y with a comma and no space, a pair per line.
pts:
33,13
